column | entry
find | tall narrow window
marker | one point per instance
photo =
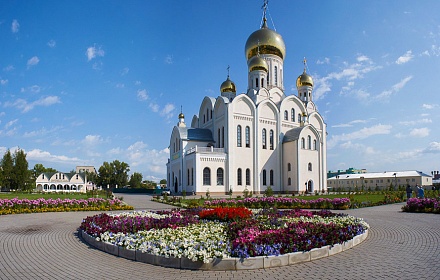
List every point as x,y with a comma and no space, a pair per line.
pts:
289,181
315,147
262,82
248,137
239,182
188,178
264,177
220,176
286,116
303,143
206,176
309,142
239,136
264,138
192,176
276,75
256,82
207,114
219,144
271,139
292,115
299,118
289,167
310,166
271,177
223,137
248,176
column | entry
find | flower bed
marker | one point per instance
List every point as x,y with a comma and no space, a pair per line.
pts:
281,202
183,234
16,206
422,205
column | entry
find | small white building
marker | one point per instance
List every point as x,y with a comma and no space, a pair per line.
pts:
379,180
250,141
63,182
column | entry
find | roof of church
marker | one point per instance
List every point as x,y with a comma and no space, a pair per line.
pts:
293,134
386,174
195,134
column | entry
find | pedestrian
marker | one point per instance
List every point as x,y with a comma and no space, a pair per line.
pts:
408,191
421,192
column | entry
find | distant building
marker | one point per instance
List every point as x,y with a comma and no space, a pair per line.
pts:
351,170
381,180
65,182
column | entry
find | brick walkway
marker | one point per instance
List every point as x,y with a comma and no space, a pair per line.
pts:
46,246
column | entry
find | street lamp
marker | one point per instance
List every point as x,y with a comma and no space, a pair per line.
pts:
395,180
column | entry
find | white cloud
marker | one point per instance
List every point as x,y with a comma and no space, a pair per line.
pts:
394,89
405,58
33,61
119,85
154,107
3,82
142,94
125,71
326,60
23,105
169,59
350,124
360,134
93,52
92,140
429,106
419,132
52,43
15,27
167,111
44,156
416,122
33,89
9,68
362,58
137,83
433,147
10,123
359,148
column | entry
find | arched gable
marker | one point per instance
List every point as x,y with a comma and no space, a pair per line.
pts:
294,102
195,121
206,108
268,110
243,105
220,107
311,130
276,95
317,121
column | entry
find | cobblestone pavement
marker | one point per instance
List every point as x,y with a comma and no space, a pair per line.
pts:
46,246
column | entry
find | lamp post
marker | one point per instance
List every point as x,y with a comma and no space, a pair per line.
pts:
337,181
395,180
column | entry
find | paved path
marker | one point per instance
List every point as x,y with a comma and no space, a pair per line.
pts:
46,246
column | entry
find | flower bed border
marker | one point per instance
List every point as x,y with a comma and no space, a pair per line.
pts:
228,263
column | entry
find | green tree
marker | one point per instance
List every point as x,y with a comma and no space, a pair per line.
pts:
136,180
163,181
113,174
39,168
7,167
21,174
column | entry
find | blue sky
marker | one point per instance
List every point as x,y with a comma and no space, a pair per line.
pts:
83,82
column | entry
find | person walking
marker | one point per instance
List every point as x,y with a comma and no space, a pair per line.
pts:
408,192
420,192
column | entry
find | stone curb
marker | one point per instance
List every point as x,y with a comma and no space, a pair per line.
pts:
225,264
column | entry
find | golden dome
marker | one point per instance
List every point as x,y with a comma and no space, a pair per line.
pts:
257,63
265,41
181,116
227,86
304,80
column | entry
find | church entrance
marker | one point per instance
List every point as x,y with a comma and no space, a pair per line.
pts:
310,186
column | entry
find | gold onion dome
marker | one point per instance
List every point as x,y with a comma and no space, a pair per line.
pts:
181,116
257,63
227,86
304,80
265,41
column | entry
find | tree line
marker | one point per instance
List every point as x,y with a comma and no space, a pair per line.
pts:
16,175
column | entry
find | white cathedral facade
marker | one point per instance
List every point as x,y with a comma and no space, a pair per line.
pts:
253,140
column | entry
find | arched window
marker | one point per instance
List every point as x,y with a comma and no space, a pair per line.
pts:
180,177
276,75
271,177
292,115
286,115
239,182
289,181
310,166
309,142
248,176
223,136
264,138
207,114
239,136
264,177
192,176
303,143
248,137
289,167
219,144
299,118
262,82
220,177
206,176
271,139
315,147
256,82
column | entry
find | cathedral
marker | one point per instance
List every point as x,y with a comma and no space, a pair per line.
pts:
254,140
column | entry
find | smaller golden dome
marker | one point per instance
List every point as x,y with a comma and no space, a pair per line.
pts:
304,80
257,63
227,86
181,116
